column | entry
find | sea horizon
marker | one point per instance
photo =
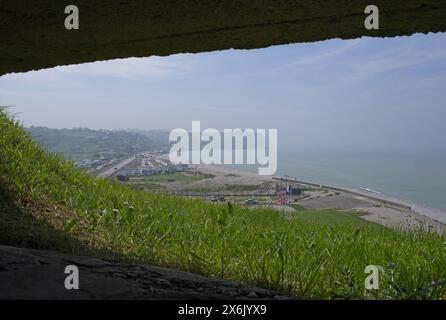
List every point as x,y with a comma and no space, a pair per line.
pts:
413,176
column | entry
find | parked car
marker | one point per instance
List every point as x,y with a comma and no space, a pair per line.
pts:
251,201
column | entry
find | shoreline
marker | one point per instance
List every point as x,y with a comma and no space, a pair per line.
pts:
386,210
431,213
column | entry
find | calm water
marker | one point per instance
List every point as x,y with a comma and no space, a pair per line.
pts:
414,176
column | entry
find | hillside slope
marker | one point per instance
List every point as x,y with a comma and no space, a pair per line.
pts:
82,143
46,203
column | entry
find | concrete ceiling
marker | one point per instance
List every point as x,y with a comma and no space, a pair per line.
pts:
32,33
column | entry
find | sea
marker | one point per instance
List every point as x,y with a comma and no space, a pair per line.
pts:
415,176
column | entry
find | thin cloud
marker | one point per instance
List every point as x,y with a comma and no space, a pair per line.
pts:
136,68
318,58
127,69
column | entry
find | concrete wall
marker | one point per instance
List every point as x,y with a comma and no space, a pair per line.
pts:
32,33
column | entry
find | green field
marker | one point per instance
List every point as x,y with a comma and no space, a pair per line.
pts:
47,203
165,178
159,182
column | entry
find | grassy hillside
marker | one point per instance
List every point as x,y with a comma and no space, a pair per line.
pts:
46,203
83,143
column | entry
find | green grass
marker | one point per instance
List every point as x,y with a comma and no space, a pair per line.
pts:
232,175
236,188
296,206
153,187
240,187
311,253
331,218
165,178
158,183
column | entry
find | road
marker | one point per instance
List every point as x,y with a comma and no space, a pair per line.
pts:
117,166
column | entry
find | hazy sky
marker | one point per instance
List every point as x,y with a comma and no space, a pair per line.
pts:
364,92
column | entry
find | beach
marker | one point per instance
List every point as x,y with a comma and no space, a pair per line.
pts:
378,208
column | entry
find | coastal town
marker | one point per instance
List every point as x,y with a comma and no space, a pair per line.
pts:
153,172
147,164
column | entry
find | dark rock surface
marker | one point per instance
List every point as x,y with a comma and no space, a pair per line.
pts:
33,274
32,33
